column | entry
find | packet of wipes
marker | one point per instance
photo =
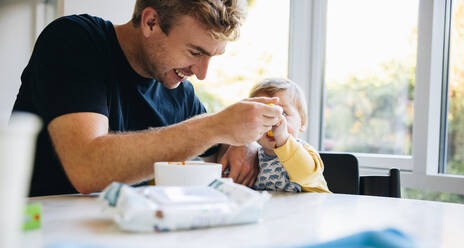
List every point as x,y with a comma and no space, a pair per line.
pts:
166,208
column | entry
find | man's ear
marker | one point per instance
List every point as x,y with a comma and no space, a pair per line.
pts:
149,21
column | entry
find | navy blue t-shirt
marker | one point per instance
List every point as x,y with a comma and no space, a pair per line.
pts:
78,66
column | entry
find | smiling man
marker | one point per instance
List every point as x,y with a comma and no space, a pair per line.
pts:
116,99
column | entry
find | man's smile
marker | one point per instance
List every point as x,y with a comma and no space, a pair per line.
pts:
182,75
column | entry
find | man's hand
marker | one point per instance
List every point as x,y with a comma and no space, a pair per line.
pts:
242,162
247,120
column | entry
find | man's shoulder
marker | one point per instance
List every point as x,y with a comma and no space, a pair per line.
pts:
84,21
76,36
77,27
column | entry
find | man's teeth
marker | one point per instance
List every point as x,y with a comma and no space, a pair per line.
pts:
179,73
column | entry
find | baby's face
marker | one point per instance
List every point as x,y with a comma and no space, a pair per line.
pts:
291,114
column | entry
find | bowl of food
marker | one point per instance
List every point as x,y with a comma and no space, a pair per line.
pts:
188,173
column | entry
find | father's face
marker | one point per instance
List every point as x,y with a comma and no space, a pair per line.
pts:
184,52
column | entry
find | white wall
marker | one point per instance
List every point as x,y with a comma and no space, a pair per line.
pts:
16,40
118,12
22,20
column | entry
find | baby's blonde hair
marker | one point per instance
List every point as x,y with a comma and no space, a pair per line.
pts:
271,86
222,17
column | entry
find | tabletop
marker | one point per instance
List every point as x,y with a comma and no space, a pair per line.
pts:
289,219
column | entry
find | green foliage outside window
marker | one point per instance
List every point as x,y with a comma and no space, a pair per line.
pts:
377,110
431,196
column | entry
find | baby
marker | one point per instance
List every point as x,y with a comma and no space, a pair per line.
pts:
285,162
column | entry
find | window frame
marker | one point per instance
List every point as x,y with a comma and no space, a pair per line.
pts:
45,11
308,22
445,89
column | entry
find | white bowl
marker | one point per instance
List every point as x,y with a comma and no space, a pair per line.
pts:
187,173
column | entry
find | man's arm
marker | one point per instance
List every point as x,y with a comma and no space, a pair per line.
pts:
93,158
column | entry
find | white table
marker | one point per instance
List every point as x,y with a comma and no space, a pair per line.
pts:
289,219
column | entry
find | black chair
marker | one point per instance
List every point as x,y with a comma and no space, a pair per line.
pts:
341,172
381,185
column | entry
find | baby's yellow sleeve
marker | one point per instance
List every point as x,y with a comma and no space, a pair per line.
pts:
304,165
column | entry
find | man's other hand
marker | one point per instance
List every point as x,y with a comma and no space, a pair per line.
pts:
242,163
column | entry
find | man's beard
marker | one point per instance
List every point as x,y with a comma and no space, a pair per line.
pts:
152,70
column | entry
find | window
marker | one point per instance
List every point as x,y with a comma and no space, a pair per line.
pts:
260,52
454,107
370,76
375,90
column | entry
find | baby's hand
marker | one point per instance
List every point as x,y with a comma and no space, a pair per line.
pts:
280,132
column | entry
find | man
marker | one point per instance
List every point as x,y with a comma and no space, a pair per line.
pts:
114,100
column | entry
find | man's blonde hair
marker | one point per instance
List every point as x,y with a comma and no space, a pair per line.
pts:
222,17
271,86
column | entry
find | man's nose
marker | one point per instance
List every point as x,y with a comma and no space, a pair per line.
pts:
201,68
